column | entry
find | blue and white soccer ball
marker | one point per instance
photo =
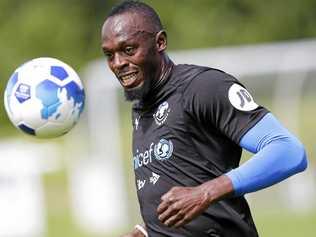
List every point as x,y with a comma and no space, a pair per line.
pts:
44,97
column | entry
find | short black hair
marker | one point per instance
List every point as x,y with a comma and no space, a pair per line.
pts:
139,7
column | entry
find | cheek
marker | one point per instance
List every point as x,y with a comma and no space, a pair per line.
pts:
145,56
110,64
139,58
111,67
146,61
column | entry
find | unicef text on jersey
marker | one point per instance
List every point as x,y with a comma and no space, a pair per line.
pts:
161,151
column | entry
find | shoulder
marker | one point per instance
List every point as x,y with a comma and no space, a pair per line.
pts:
194,77
211,83
183,74
211,80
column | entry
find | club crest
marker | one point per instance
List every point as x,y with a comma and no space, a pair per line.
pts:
162,113
163,149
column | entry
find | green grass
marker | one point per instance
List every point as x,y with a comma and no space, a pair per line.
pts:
282,223
60,220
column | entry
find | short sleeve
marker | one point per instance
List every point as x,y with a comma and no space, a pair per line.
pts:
217,99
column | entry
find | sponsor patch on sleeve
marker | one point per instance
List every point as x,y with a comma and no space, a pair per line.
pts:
240,98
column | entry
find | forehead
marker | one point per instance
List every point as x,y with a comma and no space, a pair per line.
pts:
124,26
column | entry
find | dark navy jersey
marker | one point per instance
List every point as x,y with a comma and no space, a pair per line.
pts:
185,134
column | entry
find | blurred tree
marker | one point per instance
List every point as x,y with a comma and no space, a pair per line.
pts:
206,23
70,30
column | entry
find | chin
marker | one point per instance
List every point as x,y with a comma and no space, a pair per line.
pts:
137,93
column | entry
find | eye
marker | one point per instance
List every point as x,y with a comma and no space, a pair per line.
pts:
108,54
129,50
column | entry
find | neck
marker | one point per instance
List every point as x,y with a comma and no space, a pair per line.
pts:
166,66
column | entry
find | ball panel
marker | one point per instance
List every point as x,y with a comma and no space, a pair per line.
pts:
9,90
11,83
51,129
76,94
31,113
50,111
27,129
46,92
12,106
62,112
32,73
58,72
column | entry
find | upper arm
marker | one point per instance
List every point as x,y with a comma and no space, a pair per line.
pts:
270,132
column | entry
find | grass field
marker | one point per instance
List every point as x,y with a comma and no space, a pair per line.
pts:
281,223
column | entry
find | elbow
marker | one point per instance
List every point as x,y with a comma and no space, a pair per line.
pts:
303,159
299,157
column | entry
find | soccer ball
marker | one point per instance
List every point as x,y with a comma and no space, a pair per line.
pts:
44,97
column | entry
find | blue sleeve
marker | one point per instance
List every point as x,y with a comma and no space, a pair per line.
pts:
279,155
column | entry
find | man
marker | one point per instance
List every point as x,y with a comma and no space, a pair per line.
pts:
190,125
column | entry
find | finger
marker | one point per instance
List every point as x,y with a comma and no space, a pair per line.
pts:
183,221
167,196
169,212
190,214
180,223
162,207
174,219
167,201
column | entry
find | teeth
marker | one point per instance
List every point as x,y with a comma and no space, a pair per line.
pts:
129,77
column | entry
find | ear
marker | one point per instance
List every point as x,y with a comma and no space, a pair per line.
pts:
161,41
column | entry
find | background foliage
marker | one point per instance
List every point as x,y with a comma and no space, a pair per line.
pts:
70,30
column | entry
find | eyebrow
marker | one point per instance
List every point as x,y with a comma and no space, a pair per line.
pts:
145,32
132,36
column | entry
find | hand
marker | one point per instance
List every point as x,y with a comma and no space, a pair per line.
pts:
182,204
134,233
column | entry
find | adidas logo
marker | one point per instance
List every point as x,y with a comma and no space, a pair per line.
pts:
140,184
154,178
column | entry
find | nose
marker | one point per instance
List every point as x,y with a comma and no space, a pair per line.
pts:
119,62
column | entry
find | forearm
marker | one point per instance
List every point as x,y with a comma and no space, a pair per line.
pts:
269,166
217,189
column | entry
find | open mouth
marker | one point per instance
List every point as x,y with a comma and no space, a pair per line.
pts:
129,80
